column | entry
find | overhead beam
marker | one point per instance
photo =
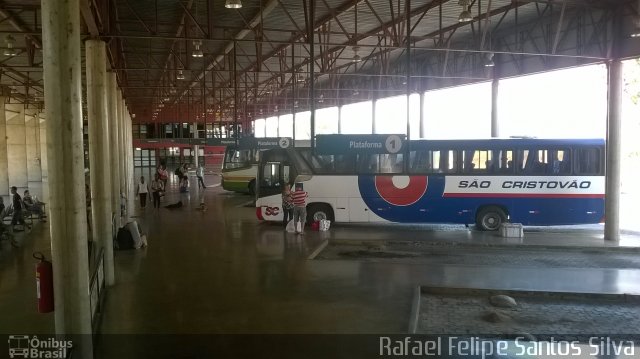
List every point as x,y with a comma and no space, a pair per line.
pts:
89,18
18,24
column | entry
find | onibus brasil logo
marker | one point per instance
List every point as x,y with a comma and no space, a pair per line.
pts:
25,346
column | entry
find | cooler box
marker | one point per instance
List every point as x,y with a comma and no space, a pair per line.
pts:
315,226
511,230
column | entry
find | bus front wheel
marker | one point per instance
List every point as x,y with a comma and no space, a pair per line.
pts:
317,212
490,218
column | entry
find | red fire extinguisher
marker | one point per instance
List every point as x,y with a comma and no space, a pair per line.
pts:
44,283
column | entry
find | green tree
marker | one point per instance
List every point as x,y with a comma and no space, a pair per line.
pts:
632,80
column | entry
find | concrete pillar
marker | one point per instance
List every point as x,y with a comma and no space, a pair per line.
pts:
123,168
495,128
32,132
5,92
68,222
129,148
44,161
99,158
421,114
196,148
17,146
614,150
114,146
373,116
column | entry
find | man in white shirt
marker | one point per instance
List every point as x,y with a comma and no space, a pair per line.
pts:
200,175
142,189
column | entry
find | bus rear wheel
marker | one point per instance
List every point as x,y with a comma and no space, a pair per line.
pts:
490,218
317,212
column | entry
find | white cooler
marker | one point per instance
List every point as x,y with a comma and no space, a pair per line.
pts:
511,230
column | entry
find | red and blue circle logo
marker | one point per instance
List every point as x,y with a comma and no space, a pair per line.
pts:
401,190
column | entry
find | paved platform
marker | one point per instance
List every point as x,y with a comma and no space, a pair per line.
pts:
558,237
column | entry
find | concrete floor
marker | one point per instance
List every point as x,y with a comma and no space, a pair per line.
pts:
223,272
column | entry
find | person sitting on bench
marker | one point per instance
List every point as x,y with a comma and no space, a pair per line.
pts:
34,206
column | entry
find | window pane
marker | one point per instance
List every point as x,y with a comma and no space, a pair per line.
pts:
567,95
414,116
458,112
303,125
259,128
272,126
356,118
391,115
286,125
327,120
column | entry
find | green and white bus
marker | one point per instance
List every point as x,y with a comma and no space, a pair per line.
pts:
240,164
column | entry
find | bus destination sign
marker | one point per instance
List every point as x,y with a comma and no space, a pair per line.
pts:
342,144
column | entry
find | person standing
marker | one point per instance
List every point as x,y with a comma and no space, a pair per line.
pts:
164,176
200,175
17,209
287,204
142,190
300,207
156,188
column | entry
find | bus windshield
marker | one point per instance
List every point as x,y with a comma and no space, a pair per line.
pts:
239,158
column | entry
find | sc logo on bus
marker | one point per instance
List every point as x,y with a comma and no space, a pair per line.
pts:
272,211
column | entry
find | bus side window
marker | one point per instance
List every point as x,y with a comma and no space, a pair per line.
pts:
420,161
505,164
559,162
588,161
468,166
534,162
368,163
448,161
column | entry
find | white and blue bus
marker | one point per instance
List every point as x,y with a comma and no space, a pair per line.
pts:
383,178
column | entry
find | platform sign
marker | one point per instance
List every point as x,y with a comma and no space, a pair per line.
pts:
221,141
273,142
265,143
344,144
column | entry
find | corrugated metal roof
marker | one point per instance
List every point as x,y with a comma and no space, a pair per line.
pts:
140,20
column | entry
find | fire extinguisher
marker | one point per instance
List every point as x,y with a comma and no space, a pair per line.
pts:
44,283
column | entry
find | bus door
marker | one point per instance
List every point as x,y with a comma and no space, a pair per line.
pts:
275,175
275,171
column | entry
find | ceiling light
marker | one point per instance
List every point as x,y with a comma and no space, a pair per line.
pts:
180,75
465,15
356,57
489,61
321,99
233,4
197,52
295,104
635,34
356,92
10,50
